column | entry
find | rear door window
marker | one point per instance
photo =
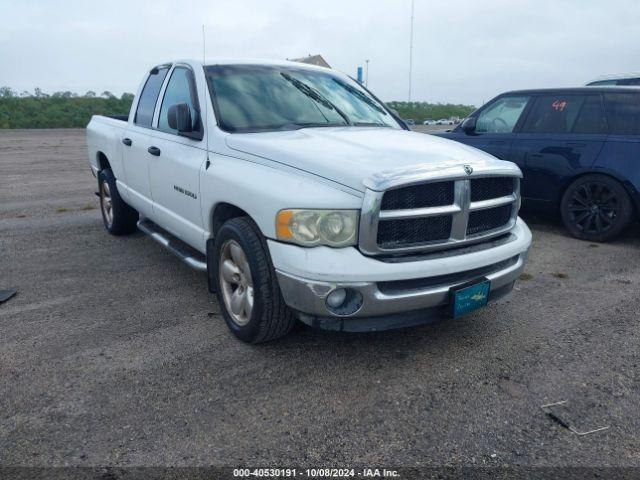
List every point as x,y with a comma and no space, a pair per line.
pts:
623,113
149,97
554,114
502,115
591,118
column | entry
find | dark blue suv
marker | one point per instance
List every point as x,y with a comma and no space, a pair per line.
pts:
578,148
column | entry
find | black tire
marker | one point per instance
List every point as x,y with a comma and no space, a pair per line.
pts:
596,208
270,318
123,218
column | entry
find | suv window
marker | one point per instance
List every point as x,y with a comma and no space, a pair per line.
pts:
554,114
502,115
179,90
591,118
623,113
149,97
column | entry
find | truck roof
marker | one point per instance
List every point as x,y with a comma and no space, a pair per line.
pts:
245,61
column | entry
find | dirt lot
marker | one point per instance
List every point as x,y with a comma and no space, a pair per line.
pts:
113,353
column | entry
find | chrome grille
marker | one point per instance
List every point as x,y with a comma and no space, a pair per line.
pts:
438,214
413,231
416,196
489,219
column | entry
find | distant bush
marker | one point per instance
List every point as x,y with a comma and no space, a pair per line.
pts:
421,111
58,110
69,110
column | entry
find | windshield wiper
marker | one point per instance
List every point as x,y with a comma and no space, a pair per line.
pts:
360,95
314,95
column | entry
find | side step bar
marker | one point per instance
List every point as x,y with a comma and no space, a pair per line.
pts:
181,250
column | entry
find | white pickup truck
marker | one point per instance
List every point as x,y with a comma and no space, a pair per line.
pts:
302,196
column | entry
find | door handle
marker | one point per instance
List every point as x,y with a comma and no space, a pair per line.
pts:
127,141
155,151
575,144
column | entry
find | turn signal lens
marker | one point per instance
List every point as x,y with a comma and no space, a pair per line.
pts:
335,228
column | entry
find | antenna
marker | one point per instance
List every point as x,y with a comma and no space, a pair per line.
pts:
411,51
206,89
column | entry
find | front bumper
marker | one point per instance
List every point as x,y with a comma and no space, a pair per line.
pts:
391,290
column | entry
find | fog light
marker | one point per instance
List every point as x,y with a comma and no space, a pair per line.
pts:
344,301
336,298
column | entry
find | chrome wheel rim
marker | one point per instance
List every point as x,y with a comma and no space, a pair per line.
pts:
106,204
236,282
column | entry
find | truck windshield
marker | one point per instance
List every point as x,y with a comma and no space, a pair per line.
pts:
257,98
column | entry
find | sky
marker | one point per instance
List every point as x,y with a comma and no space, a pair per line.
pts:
464,51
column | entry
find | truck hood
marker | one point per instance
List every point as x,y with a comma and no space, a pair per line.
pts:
354,156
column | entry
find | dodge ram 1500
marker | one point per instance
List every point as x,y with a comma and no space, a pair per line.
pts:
302,196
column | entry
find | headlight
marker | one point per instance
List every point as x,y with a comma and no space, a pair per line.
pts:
336,228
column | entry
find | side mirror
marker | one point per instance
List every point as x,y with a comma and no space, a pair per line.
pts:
179,118
469,125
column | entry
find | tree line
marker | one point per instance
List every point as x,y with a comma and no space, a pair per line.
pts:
59,109
421,111
70,110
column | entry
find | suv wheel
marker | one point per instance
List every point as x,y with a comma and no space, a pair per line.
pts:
596,208
246,284
118,217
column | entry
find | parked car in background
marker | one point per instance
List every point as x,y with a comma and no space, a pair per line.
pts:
578,148
629,79
444,121
429,121
409,121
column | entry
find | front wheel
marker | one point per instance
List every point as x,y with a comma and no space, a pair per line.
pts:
246,285
596,208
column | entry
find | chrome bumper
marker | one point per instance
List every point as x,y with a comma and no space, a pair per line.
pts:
309,296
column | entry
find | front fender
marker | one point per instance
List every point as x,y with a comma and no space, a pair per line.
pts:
262,191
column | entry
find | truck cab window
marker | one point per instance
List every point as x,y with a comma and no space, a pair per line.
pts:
149,97
179,90
502,116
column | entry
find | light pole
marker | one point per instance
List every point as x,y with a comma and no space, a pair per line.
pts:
366,74
411,51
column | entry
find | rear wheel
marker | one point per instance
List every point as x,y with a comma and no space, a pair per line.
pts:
246,284
118,217
596,208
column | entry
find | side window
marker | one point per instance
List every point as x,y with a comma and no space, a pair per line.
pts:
591,118
179,90
623,113
149,96
502,115
554,114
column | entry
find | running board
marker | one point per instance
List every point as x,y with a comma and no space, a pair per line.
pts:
180,249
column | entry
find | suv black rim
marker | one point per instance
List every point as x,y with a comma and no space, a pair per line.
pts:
593,208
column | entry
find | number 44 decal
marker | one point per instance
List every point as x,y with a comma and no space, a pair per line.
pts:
559,105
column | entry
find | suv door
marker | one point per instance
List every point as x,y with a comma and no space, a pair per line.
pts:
137,139
495,124
561,137
175,171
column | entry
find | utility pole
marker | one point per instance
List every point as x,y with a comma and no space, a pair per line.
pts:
366,74
411,51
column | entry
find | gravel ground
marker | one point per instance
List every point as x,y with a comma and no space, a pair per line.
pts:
114,353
